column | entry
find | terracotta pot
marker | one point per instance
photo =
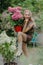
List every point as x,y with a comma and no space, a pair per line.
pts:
18,28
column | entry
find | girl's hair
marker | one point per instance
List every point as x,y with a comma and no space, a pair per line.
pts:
28,11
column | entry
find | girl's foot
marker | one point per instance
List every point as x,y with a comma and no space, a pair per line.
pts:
19,53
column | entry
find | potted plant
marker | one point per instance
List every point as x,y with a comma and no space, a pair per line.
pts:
16,18
7,51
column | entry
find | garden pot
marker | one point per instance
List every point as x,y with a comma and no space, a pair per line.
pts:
18,28
10,63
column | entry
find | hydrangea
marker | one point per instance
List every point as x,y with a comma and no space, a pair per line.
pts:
4,38
17,16
16,13
14,40
15,9
12,48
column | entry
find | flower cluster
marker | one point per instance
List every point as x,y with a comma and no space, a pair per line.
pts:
15,9
16,12
16,16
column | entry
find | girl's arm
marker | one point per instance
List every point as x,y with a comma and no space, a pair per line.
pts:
30,26
25,25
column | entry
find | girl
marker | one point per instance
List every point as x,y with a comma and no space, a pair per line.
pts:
26,34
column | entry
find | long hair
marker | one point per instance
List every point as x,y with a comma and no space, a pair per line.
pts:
30,14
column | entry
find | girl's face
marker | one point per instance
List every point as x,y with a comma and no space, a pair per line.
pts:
26,15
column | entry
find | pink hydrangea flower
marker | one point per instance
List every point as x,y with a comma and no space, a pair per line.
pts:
17,16
19,8
10,9
16,12
15,9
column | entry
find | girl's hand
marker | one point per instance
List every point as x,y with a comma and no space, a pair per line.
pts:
26,20
25,25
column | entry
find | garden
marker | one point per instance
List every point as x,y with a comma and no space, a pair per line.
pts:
11,21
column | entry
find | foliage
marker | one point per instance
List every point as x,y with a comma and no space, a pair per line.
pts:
7,46
17,22
7,52
33,5
4,4
4,21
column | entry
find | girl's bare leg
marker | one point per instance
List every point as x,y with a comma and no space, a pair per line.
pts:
25,49
22,46
20,41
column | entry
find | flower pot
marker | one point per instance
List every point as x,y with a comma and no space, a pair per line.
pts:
18,28
10,63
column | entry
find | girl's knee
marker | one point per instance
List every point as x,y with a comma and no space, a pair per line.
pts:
19,33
